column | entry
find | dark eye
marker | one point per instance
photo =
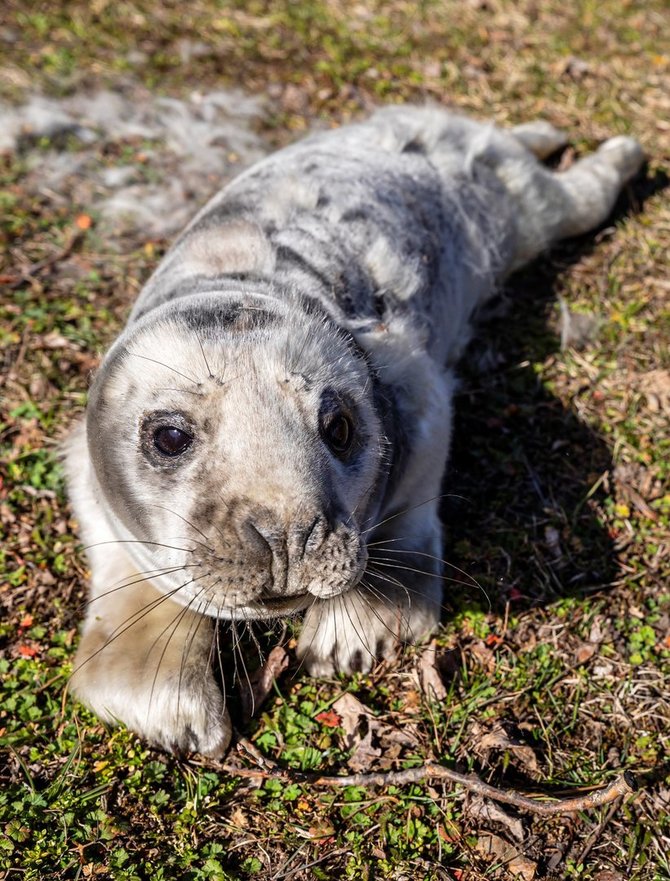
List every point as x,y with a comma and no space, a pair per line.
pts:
338,432
171,441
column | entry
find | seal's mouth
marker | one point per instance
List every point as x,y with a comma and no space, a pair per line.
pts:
279,602
269,607
282,605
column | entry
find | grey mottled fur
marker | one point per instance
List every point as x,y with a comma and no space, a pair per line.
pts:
338,276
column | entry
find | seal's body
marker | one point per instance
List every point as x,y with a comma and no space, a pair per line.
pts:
269,433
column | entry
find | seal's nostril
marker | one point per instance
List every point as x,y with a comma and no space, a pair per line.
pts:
255,540
270,545
312,537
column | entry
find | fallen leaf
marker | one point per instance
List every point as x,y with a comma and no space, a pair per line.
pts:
596,633
411,700
483,655
83,221
585,652
28,651
371,739
517,865
329,719
254,694
91,869
46,578
445,836
576,328
294,99
499,740
350,712
656,387
490,845
552,538
30,434
359,725
55,340
239,818
522,867
575,68
430,678
608,875
482,809
322,829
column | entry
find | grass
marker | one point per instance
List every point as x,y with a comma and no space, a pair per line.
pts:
560,462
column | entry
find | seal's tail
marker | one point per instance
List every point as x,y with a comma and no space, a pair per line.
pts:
557,205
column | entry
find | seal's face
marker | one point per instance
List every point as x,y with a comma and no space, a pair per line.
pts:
234,442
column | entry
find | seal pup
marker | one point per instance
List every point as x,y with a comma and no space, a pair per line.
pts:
277,412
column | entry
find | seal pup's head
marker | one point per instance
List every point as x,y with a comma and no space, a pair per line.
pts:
238,450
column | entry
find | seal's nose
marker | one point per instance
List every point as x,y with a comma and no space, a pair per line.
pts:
287,550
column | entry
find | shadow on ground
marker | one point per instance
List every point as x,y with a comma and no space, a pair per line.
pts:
527,476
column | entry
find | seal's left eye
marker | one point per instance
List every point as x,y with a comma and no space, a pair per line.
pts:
171,441
338,432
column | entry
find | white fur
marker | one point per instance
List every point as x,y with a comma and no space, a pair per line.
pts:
253,394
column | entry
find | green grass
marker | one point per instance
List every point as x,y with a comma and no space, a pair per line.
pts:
567,651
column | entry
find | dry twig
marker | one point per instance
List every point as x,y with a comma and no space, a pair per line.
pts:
623,785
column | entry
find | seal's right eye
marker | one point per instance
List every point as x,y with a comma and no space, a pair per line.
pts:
171,441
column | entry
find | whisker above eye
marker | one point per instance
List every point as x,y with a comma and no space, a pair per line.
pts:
167,366
204,357
182,391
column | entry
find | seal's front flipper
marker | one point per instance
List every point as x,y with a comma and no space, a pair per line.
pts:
147,665
394,603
